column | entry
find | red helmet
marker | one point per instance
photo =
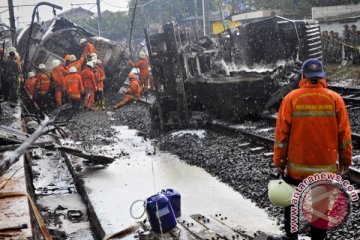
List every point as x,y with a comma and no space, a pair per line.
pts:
132,76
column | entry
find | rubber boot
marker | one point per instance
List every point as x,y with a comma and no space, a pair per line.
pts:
96,106
103,106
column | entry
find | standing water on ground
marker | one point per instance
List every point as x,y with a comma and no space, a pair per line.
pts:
145,171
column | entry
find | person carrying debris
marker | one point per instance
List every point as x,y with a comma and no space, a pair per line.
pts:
131,94
312,132
143,65
58,73
76,63
11,82
89,48
89,83
74,88
100,78
42,87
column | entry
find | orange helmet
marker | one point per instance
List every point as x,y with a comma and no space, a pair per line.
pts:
67,57
132,76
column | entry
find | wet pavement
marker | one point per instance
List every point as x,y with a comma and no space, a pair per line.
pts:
145,171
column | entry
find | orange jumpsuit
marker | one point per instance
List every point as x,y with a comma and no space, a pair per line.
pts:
89,83
43,83
312,131
73,85
132,93
30,86
58,74
88,49
143,65
78,64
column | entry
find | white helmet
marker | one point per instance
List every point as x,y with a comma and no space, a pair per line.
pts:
142,55
42,66
83,40
55,63
280,193
72,58
73,70
93,55
12,49
31,74
94,58
90,64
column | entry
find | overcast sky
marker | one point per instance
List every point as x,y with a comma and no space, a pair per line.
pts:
23,14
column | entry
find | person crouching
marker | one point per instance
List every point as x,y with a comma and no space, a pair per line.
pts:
132,93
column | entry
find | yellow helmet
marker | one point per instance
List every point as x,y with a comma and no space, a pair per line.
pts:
280,193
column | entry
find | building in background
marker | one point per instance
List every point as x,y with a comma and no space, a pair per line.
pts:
333,18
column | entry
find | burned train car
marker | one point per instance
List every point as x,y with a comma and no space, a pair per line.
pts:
244,72
59,37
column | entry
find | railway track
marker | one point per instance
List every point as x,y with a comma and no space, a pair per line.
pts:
268,141
351,95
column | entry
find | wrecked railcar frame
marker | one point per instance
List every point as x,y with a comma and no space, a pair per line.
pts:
245,72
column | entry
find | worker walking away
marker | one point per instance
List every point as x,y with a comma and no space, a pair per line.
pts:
143,65
76,63
100,78
58,73
131,94
42,87
90,86
312,133
11,80
74,88
88,47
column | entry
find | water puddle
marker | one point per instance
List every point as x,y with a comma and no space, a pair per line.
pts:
145,171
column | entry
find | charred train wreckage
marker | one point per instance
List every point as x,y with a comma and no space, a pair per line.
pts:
246,72
56,38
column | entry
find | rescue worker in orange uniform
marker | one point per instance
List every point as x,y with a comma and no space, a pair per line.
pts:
74,88
312,133
90,86
100,78
58,73
76,63
131,94
89,48
30,85
67,62
143,65
42,87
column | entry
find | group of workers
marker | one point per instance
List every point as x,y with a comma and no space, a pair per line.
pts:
334,45
79,81
76,78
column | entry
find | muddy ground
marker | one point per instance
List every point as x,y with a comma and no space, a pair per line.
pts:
219,153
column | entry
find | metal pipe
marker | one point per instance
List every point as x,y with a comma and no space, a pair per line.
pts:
26,67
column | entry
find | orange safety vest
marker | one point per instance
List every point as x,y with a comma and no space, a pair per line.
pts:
43,83
30,85
100,78
58,75
88,79
312,131
73,85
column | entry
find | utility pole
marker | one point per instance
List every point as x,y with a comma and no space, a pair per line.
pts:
99,16
196,15
12,22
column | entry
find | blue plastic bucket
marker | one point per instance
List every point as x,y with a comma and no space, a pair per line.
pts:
160,213
175,200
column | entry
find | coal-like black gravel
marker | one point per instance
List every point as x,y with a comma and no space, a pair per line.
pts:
220,153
